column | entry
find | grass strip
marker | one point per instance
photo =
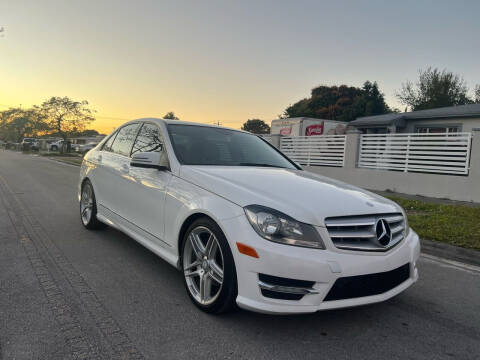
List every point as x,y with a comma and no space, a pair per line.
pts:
453,224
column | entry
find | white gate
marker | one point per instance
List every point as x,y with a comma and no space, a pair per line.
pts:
432,153
325,150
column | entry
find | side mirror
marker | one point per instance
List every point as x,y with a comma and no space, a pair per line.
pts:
149,160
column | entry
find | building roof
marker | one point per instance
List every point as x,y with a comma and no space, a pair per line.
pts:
298,119
400,118
379,120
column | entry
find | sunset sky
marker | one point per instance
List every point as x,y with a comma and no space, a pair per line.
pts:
224,61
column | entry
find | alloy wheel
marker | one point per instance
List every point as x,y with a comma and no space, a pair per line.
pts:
203,265
86,204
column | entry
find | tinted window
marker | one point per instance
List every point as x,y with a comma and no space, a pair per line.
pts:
124,140
201,145
148,139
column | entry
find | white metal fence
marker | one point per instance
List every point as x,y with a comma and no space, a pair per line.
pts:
327,150
267,138
432,153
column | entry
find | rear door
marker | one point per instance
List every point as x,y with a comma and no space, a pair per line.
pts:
114,170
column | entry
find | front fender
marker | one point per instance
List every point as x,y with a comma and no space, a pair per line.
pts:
184,199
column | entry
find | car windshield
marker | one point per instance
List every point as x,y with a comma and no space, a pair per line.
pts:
203,145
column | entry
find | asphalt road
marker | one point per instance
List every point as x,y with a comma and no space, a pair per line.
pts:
66,293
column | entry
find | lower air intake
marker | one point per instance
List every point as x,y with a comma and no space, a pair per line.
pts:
367,285
275,287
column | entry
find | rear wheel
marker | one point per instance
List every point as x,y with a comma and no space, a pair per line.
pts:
54,148
88,207
208,267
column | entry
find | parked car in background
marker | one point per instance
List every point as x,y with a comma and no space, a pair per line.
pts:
29,144
55,146
243,222
83,148
12,145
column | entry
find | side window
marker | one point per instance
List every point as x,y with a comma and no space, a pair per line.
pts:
149,139
108,144
124,140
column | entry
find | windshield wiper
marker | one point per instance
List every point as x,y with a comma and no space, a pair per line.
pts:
261,165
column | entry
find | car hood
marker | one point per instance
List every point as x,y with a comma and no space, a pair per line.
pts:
305,196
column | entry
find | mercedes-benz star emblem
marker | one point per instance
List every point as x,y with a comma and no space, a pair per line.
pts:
383,231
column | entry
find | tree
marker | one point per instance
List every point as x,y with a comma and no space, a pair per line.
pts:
170,115
17,123
86,132
477,94
256,126
342,102
66,116
434,89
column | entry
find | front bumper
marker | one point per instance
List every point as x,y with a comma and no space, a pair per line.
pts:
323,267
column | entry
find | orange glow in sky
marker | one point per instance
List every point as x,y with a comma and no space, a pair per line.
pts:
225,61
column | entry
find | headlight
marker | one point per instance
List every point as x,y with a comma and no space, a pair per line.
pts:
278,227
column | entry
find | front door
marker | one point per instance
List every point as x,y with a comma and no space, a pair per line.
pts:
147,187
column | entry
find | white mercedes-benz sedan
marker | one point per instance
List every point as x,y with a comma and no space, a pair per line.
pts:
245,224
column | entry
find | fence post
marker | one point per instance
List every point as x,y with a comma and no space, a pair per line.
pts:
352,148
275,140
474,171
407,155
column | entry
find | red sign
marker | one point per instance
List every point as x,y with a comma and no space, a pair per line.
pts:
286,131
316,129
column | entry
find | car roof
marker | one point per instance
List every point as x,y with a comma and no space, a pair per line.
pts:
188,123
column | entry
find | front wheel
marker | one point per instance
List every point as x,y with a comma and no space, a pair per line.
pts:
208,267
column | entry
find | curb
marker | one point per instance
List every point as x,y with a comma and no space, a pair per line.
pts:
451,252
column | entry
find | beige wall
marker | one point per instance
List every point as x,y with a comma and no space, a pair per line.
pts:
467,124
462,188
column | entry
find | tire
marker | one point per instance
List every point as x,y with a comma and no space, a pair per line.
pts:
88,208
54,148
201,262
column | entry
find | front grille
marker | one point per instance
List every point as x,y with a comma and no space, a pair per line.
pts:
358,232
367,285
